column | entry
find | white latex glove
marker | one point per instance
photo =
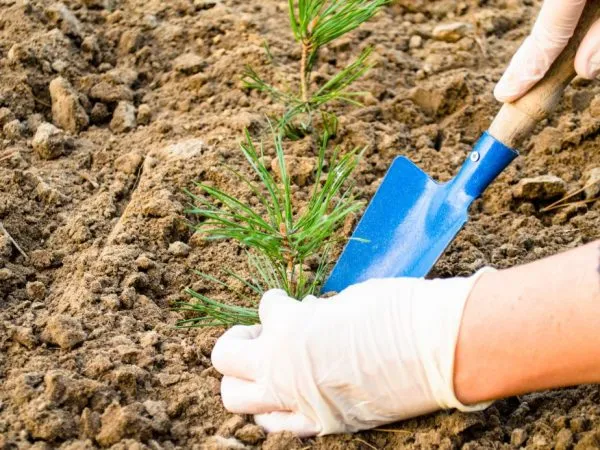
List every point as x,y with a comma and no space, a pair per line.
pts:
378,352
550,34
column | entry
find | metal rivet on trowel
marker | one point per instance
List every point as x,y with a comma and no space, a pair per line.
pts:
474,156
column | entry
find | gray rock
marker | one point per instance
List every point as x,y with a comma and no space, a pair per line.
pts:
67,112
543,187
188,63
451,32
49,142
593,183
123,118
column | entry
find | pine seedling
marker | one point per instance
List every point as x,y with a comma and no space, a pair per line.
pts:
279,238
315,24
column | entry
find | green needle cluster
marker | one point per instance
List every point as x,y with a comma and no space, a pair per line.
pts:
287,243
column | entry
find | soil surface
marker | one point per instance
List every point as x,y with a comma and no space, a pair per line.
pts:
144,97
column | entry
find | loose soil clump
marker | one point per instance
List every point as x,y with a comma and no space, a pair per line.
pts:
110,108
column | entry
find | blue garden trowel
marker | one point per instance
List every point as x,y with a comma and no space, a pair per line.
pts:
412,218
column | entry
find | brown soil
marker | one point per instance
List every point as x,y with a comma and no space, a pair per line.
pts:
88,353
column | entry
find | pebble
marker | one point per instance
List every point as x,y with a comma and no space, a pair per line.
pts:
543,187
231,425
144,114
49,142
188,63
123,118
415,41
179,248
13,129
99,113
518,437
593,183
67,112
451,32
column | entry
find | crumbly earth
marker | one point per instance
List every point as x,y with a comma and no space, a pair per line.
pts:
145,97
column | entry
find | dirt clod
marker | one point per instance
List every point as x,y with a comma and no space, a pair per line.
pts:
64,331
67,112
123,118
250,434
543,187
49,142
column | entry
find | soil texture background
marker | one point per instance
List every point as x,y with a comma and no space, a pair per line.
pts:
110,108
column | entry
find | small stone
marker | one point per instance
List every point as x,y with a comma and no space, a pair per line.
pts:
49,142
543,187
564,439
123,118
60,15
13,129
451,32
130,41
100,113
150,339
36,290
107,92
220,443
179,248
299,168
60,65
144,263
593,183
250,434
415,41
129,163
144,115
67,112
518,437
188,63
150,21
64,331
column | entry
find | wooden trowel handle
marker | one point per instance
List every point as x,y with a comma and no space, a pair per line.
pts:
515,121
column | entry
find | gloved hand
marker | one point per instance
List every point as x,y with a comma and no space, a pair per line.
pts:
378,352
550,34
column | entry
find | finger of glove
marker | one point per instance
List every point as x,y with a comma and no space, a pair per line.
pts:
236,353
287,421
550,34
274,306
587,61
246,397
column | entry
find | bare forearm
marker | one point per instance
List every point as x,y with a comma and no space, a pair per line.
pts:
531,327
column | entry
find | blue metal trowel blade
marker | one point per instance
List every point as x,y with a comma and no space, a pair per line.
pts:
412,219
